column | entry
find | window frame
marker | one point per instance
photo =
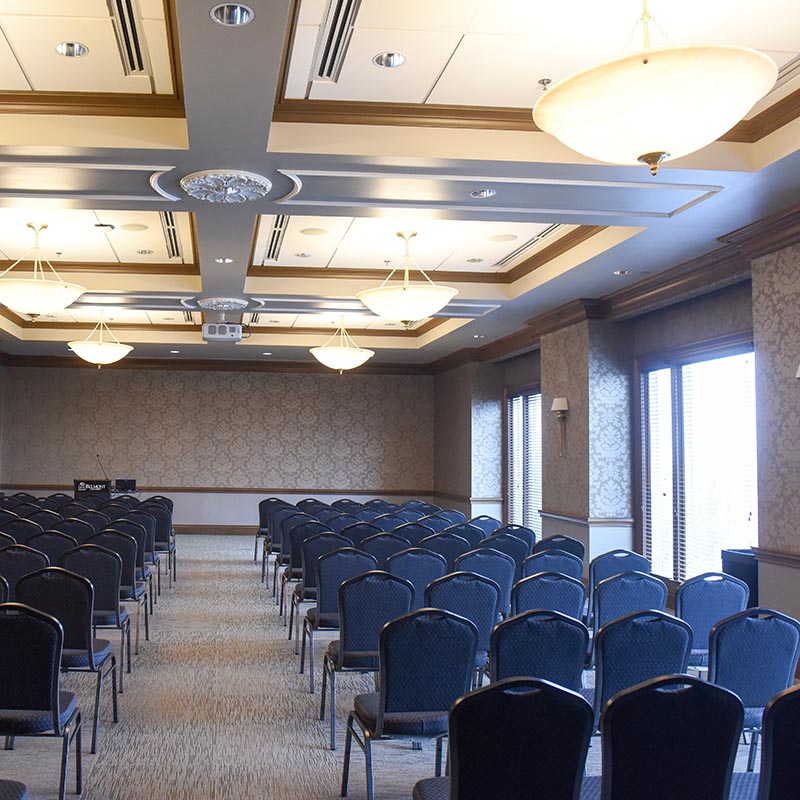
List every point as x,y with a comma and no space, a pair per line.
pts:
509,393
733,344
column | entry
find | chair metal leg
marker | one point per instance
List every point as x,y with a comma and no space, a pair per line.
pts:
121,659
368,765
297,627
62,786
292,603
332,711
146,620
323,693
78,754
127,625
311,660
255,551
348,744
97,699
751,755
115,703
303,650
439,741
264,559
138,610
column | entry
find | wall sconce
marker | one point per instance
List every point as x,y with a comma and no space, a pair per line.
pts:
798,373
560,408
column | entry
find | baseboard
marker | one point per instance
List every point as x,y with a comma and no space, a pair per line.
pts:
217,530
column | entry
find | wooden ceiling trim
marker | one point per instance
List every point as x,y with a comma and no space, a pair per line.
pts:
767,235
113,267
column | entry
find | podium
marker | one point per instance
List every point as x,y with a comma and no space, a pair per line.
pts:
99,487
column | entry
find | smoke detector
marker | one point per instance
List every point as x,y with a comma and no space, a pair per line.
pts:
226,186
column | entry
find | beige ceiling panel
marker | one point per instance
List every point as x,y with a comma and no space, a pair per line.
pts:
111,315
128,243
755,26
316,236
305,40
426,52
155,34
152,9
331,321
169,318
311,12
12,78
34,40
378,324
61,8
442,15
275,320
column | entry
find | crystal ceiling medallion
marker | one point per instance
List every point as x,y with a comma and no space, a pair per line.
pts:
226,186
223,303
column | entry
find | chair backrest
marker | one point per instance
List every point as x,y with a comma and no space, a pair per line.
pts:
754,653
366,514
426,508
114,510
97,519
609,564
346,504
163,518
47,503
446,544
780,767
68,597
9,503
24,497
494,565
297,535
708,598
60,499
146,520
324,514
103,567
124,545
333,569
419,567
671,737
30,661
553,561
521,737
7,516
78,529
313,548
18,560
384,506
415,532
469,595
264,508
162,500
427,659
93,500
128,500
510,545
286,523
359,531
383,545
26,508
3,590
388,522
73,508
6,540
436,523
637,648
487,524
408,514
341,521
53,544
549,591
521,532
366,603
452,515
45,518
466,530
21,529
561,542
540,644
625,593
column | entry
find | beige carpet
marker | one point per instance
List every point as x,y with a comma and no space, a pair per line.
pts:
215,707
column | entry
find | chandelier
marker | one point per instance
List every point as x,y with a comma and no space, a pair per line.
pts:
407,302
39,294
342,353
99,351
655,105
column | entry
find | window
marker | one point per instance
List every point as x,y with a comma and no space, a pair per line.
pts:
524,473
698,462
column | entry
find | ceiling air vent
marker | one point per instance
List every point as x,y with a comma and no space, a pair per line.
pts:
334,39
129,41
515,254
276,235
171,238
188,316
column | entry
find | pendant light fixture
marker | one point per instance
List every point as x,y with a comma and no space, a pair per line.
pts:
100,351
39,294
341,352
406,302
655,105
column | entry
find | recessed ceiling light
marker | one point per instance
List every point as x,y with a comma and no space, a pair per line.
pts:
622,272
134,227
478,335
313,231
174,352
474,260
303,255
232,15
266,354
224,260
503,237
71,49
482,194
389,60
145,252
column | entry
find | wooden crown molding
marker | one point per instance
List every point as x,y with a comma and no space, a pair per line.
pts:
779,557
113,267
767,235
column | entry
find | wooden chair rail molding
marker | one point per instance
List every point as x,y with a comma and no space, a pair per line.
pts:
60,487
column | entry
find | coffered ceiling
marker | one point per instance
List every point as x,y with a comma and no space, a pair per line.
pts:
96,147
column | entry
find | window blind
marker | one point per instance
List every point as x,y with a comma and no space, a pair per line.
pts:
524,459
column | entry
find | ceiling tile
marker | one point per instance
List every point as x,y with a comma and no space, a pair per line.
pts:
442,15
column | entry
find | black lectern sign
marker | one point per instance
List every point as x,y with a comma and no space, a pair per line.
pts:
98,486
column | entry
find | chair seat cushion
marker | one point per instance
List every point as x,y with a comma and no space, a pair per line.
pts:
326,620
131,593
13,790
106,618
432,789
399,723
25,722
590,789
293,574
354,659
165,547
698,658
744,786
79,659
305,593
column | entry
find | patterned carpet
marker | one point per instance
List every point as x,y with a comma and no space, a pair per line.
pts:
216,708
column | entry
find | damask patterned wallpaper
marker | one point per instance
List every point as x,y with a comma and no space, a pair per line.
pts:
225,429
487,431
453,431
729,310
776,300
564,369
610,361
